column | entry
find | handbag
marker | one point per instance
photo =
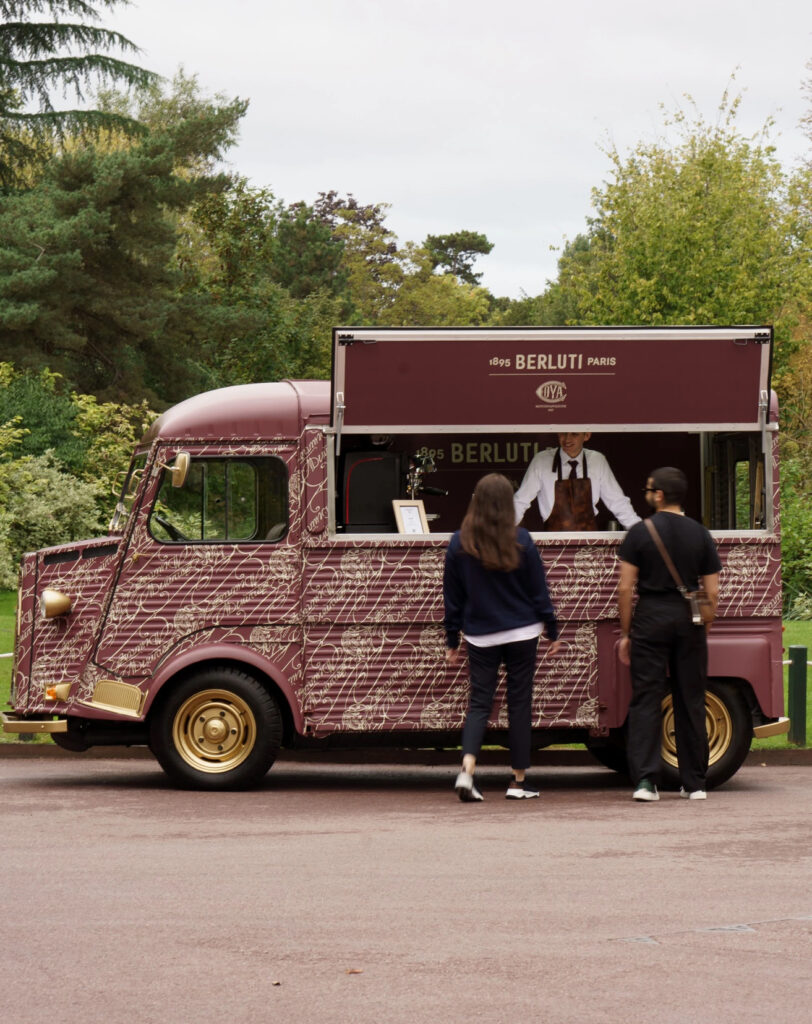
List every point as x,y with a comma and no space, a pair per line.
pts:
703,610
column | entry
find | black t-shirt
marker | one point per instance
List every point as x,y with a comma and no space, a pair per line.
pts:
688,543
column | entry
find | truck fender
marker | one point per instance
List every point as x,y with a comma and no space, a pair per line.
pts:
742,659
232,653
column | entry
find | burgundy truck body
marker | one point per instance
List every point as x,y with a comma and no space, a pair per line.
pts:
270,600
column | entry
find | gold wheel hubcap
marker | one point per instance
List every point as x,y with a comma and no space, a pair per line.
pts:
214,731
717,722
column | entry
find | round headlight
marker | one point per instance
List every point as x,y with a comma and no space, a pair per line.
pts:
53,603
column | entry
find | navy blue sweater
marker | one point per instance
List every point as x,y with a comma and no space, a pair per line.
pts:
480,601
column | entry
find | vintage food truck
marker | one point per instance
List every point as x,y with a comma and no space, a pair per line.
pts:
273,572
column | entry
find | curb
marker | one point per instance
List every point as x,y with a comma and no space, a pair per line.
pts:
541,758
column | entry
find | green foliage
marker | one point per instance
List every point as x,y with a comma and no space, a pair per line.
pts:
457,252
88,284
371,263
206,128
88,440
425,298
11,431
305,256
108,432
45,415
38,57
690,233
796,526
270,337
8,609
40,505
800,610
235,251
11,434
396,286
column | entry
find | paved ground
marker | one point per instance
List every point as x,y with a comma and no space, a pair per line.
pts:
369,894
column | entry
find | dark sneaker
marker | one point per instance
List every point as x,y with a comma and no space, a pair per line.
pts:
646,790
520,791
465,788
693,794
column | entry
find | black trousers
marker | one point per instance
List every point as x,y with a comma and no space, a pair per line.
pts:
668,651
520,664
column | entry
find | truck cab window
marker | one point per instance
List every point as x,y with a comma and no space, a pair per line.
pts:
224,501
735,493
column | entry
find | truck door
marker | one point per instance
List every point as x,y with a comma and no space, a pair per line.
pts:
211,562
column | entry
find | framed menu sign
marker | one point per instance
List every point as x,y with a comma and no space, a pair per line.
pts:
410,516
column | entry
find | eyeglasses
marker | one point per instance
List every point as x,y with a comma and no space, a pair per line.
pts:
645,490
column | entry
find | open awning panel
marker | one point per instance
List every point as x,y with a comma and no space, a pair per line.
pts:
443,379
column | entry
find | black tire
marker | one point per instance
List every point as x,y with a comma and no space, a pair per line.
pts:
218,729
730,732
610,751
71,740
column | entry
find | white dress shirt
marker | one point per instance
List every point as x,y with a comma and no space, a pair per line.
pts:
539,482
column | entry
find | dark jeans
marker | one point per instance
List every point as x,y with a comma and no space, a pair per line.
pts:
520,663
665,643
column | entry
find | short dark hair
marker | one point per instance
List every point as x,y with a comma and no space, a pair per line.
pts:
672,482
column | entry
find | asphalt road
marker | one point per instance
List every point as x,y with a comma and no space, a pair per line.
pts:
370,894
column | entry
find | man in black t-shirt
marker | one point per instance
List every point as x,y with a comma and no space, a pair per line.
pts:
662,637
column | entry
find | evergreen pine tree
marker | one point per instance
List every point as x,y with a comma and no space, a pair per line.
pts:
37,57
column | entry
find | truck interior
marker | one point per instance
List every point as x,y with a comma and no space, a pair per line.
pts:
726,475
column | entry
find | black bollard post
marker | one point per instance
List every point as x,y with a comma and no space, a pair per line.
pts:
796,697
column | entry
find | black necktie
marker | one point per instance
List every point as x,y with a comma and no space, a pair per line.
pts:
573,469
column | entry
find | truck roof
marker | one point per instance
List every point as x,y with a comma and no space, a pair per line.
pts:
245,412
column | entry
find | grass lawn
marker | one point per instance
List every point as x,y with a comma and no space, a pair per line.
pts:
8,613
795,634
8,609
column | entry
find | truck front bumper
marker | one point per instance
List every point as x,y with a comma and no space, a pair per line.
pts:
18,724
776,728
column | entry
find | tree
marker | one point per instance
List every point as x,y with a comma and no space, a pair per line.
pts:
793,382
424,298
692,233
89,439
41,405
269,278
11,430
88,281
36,57
709,230
370,258
41,505
306,256
457,253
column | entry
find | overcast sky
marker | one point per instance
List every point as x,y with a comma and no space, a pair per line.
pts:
480,114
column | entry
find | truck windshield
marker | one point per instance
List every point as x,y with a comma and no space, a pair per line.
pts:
127,496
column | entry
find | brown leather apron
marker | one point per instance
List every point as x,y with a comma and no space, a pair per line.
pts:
572,505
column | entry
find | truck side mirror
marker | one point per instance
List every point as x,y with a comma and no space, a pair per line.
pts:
180,468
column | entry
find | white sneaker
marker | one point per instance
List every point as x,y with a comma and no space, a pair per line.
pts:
465,788
646,791
519,791
696,794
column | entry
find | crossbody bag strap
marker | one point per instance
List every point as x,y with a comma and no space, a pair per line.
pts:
652,529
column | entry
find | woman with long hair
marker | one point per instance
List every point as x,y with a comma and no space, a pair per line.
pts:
495,592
